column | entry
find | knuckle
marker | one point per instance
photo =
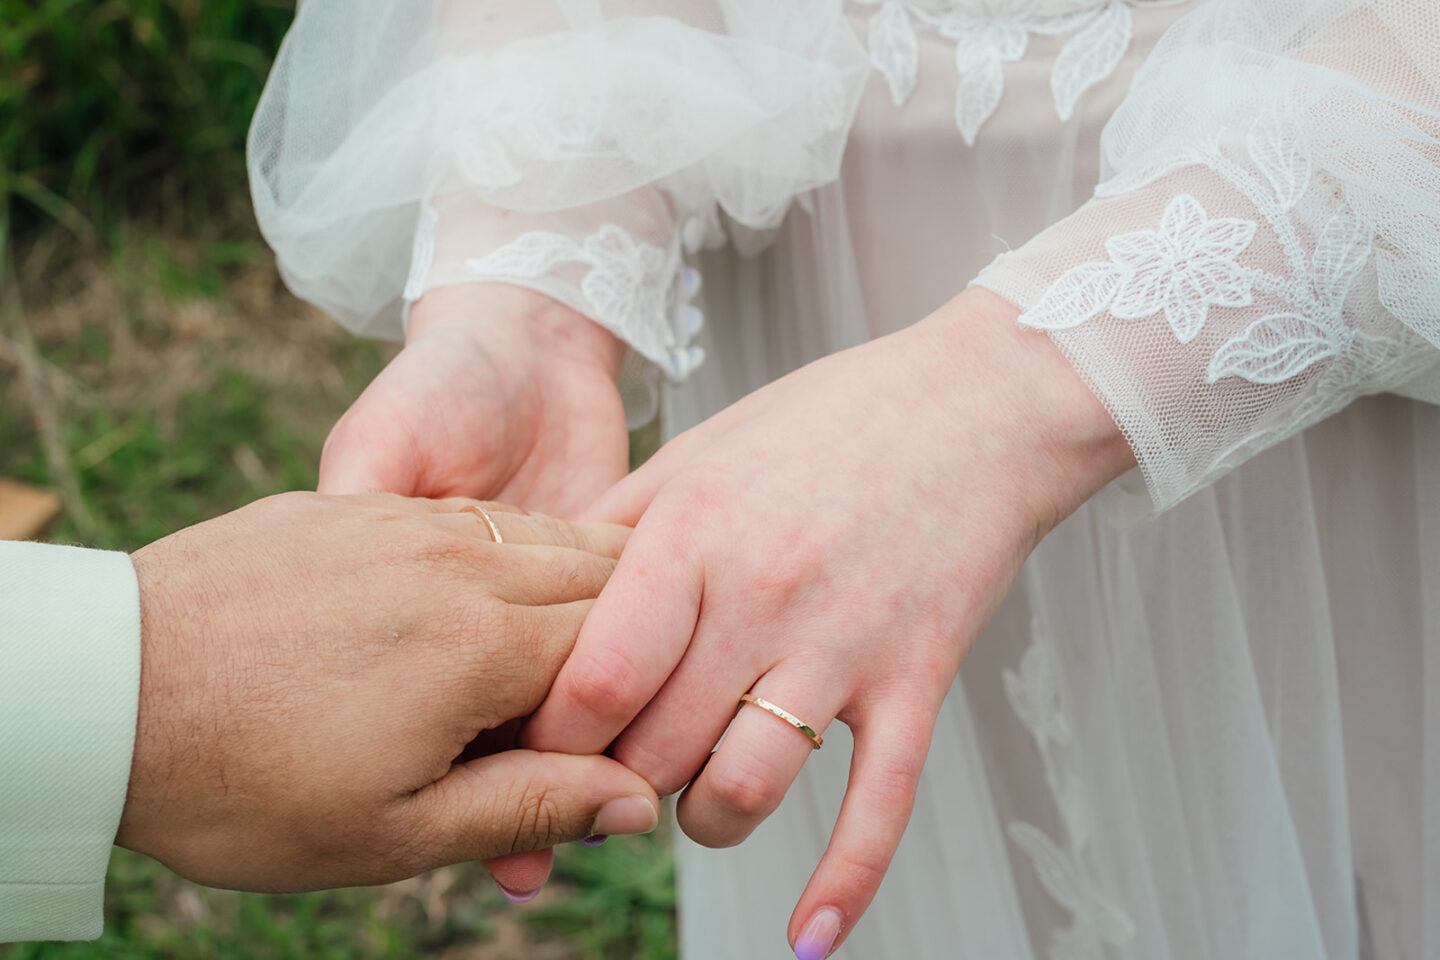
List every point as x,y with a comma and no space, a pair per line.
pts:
745,789
539,823
862,869
604,686
788,569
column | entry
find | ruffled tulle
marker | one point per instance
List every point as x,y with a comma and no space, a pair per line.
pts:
377,108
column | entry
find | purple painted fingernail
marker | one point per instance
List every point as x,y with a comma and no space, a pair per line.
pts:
595,839
517,896
818,938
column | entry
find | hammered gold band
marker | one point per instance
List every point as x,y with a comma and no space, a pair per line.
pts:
485,518
815,739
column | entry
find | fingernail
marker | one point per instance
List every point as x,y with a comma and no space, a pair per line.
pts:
595,840
626,815
518,896
818,937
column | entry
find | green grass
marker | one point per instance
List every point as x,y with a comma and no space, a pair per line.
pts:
184,383
115,107
618,903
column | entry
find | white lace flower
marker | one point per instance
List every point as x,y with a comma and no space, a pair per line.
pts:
1183,268
638,291
625,277
989,35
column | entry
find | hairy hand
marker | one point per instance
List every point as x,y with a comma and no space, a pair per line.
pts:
319,677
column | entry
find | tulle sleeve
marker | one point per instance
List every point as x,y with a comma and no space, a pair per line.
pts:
575,147
1265,246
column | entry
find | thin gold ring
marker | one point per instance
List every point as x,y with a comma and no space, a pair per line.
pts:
815,739
485,517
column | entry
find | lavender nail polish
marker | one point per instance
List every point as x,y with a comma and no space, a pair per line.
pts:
518,896
818,937
594,840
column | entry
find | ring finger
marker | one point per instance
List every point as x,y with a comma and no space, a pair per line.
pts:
758,759
509,525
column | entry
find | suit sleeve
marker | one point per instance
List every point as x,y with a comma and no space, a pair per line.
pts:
69,690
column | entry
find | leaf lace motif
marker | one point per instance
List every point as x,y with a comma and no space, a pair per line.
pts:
1192,262
638,291
989,35
1095,921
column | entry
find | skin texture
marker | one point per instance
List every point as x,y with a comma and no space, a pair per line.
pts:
500,393
888,496
326,681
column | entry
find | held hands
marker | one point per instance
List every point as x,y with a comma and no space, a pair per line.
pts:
500,393
313,669
850,528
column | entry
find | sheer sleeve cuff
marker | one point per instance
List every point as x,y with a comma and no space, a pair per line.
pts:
1266,249
1209,330
380,115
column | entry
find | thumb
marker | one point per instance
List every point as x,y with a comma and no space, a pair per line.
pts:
524,800
366,453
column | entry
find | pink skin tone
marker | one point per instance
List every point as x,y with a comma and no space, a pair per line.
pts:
887,497
499,394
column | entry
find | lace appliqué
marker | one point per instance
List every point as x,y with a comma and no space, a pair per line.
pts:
1095,921
640,292
1191,264
1099,32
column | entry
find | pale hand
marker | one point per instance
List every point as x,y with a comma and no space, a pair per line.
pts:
850,528
324,679
500,393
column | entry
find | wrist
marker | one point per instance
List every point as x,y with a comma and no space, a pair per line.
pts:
1068,445
517,320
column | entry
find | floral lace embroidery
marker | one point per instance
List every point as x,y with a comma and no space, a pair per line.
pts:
637,290
1191,263
992,33
1095,921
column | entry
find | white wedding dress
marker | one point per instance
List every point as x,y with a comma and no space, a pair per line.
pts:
1206,723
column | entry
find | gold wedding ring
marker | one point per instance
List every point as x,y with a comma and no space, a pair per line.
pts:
485,518
815,739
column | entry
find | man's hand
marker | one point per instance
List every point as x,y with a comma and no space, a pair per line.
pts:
313,669
500,393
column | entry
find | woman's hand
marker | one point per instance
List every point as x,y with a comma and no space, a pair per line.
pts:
500,393
324,681
833,543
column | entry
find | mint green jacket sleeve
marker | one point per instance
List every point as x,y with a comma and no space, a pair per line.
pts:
69,690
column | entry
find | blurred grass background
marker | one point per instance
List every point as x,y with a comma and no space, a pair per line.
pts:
155,372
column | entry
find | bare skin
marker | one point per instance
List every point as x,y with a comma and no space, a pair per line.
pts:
325,681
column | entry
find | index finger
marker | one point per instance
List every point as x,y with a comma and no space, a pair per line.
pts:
636,633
